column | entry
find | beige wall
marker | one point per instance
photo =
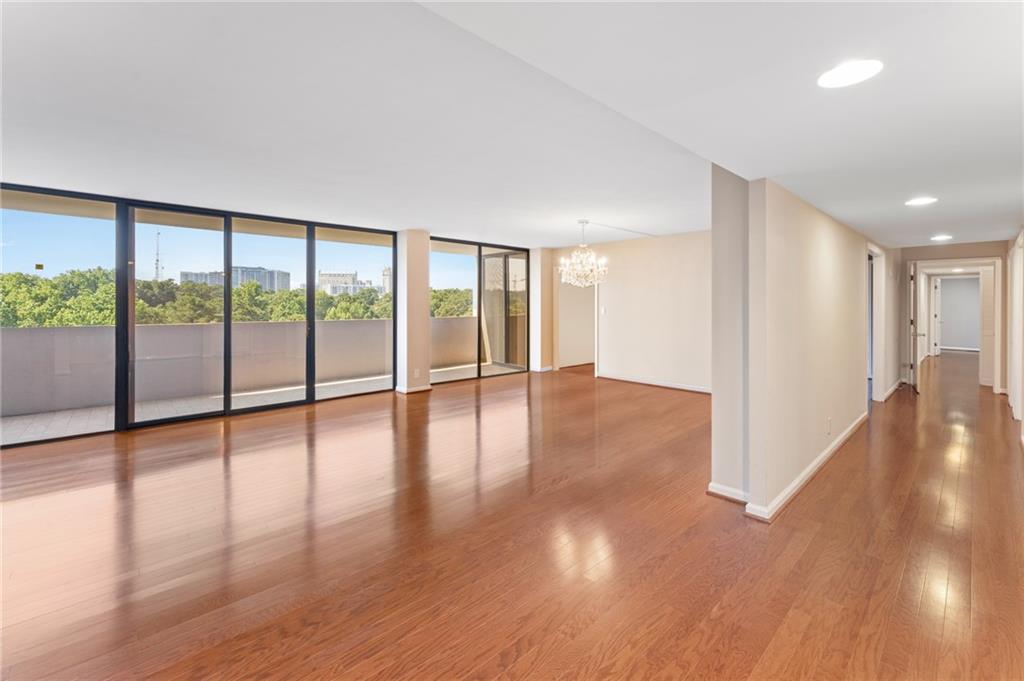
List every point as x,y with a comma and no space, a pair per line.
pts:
542,323
888,267
656,301
729,409
576,332
808,340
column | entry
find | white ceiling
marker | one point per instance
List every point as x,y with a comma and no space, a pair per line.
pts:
374,115
507,122
735,83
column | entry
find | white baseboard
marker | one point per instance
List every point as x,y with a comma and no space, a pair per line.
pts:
541,370
405,391
953,347
727,492
660,384
767,513
890,391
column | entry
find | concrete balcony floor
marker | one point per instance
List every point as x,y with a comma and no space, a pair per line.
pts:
52,424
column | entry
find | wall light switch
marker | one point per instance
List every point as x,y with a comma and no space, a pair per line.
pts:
602,309
415,373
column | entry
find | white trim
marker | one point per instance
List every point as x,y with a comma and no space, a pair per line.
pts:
541,370
953,347
661,384
1000,391
406,391
890,391
728,492
768,512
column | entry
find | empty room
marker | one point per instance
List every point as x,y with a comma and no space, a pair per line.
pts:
512,341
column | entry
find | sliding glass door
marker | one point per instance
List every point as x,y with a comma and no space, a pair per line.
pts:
268,313
353,306
57,296
503,341
454,325
478,307
176,337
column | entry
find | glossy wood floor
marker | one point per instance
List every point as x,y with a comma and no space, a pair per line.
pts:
547,527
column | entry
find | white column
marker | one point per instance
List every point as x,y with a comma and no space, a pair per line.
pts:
729,313
412,310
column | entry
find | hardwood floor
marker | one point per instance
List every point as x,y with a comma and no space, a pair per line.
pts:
544,526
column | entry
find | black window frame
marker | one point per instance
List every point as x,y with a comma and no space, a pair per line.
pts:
124,308
480,245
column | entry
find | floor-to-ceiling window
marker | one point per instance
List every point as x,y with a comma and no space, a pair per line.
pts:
454,325
478,308
268,312
354,319
177,338
117,312
57,296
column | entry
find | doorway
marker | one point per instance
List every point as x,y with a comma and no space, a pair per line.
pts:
957,305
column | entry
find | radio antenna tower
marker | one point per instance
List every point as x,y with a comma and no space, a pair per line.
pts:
156,265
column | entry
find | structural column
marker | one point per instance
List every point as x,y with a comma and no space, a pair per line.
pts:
729,315
412,310
541,315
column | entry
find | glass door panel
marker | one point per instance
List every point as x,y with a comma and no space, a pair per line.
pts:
268,313
503,311
57,298
454,328
177,308
353,306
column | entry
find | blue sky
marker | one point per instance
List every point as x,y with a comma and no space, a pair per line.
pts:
62,242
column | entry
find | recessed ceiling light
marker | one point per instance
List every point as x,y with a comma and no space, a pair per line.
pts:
957,270
941,237
850,73
921,201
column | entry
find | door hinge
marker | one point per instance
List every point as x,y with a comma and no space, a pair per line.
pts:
911,277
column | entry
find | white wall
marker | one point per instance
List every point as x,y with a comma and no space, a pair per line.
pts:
807,339
654,311
575,325
960,313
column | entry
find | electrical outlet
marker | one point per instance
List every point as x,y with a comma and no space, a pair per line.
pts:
415,373
828,426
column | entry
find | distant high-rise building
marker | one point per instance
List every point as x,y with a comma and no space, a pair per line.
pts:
209,278
385,280
269,280
335,283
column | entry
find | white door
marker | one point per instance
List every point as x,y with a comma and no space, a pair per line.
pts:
937,316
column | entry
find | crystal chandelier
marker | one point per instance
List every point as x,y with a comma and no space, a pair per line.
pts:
583,268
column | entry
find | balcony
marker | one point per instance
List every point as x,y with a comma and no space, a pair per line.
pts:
59,381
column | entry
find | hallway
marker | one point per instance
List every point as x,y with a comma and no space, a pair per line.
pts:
541,526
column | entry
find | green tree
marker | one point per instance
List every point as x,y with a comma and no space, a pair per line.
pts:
323,302
348,306
451,302
287,305
88,308
196,304
156,293
148,314
382,309
249,303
